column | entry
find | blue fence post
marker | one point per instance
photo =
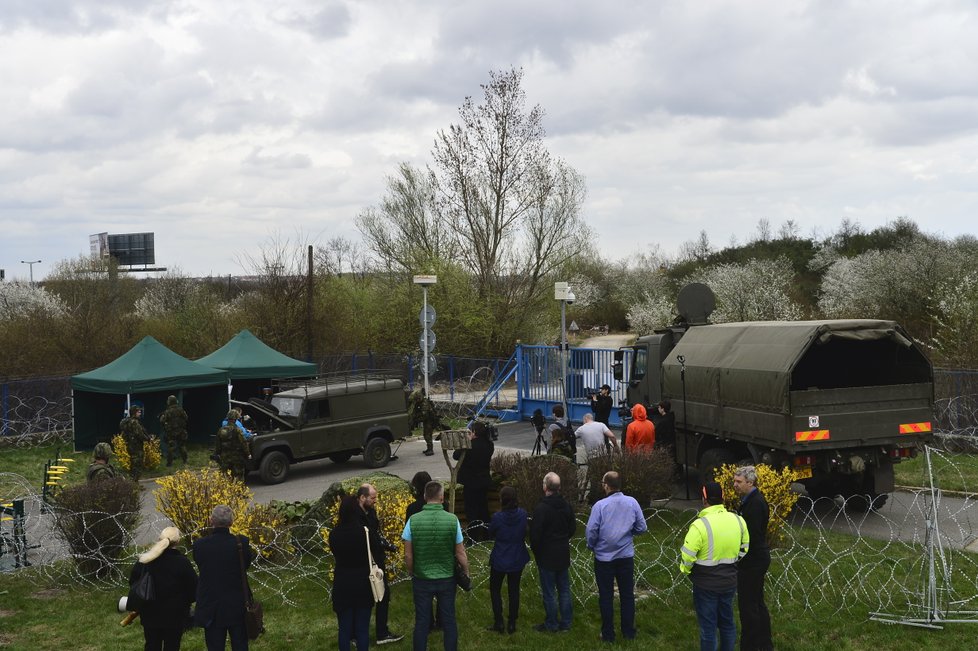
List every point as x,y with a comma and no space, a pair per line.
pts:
519,379
451,377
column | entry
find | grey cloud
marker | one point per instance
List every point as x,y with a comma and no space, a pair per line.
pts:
260,162
63,17
328,22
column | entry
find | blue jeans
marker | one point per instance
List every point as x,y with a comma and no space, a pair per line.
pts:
606,573
559,581
715,610
424,591
353,624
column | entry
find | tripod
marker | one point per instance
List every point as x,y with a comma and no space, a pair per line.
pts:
539,446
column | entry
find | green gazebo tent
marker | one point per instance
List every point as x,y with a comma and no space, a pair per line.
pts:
252,364
147,374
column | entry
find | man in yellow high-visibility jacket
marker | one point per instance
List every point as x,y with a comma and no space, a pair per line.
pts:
716,540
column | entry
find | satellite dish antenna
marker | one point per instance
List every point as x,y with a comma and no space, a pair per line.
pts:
696,303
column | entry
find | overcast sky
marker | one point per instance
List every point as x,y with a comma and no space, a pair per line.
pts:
219,124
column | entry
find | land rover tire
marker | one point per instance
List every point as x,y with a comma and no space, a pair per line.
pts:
274,467
377,452
341,457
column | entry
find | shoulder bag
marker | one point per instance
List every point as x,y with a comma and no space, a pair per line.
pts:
254,613
376,574
143,589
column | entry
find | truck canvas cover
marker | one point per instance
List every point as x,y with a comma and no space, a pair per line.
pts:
745,373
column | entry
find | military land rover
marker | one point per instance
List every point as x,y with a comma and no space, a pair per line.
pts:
335,417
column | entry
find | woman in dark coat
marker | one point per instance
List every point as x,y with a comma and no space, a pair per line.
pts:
418,482
175,587
474,476
508,558
352,597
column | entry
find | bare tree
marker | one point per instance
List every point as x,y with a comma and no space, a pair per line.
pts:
407,231
513,209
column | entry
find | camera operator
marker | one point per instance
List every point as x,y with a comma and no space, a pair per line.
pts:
601,404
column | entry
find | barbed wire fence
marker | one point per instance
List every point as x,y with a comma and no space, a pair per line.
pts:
915,560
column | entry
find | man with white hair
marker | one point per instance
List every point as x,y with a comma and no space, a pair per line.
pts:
755,621
551,529
220,590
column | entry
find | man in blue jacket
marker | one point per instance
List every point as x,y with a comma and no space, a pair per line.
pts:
614,521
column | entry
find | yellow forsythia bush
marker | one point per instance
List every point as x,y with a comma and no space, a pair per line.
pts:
187,497
775,485
392,503
151,453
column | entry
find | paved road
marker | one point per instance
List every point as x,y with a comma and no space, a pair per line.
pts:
903,518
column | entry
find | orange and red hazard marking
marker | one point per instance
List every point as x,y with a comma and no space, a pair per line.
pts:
812,435
914,428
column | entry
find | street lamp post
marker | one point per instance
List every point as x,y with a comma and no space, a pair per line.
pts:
427,335
563,293
30,264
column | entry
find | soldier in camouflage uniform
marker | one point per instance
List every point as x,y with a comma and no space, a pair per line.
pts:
174,421
100,468
423,413
231,451
135,435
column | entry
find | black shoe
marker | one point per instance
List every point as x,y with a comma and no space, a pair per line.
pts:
542,628
511,628
429,452
389,638
169,462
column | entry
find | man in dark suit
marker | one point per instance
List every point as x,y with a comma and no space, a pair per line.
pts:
755,621
220,591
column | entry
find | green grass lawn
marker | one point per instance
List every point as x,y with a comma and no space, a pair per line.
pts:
952,472
29,462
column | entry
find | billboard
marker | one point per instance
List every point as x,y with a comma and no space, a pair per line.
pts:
129,249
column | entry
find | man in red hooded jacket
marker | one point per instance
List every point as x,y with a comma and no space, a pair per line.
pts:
640,433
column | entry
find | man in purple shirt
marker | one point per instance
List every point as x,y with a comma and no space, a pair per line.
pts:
614,520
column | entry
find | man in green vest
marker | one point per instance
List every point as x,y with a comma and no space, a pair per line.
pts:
432,546
716,540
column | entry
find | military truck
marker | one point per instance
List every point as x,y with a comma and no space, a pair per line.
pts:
841,401
335,417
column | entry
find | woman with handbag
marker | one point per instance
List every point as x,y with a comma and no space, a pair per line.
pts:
353,599
163,584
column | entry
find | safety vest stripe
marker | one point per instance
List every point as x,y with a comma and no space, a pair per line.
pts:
914,428
709,539
689,552
812,435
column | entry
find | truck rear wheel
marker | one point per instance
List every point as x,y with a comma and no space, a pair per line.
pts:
377,452
274,467
711,461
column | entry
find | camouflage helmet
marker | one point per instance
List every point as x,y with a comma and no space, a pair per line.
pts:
103,451
172,400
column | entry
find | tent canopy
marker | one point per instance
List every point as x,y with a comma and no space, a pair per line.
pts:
248,357
147,374
148,366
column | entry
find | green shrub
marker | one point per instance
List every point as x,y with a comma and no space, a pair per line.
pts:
96,520
646,475
525,474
